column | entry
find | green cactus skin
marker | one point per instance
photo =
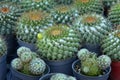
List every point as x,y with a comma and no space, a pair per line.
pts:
31,23
9,13
37,66
26,57
109,2
22,50
92,27
17,64
59,76
64,14
71,78
3,47
113,15
110,45
38,4
66,2
88,6
104,61
59,42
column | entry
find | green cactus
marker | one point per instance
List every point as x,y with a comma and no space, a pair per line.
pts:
110,45
9,13
113,15
58,42
37,66
109,2
71,78
64,13
28,62
88,6
93,65
63,1
37,4
3,47
31,23
92,27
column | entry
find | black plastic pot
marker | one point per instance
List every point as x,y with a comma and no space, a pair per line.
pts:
93,48
31,46
9,76
15,75
3,67
64,66
47,76
84,77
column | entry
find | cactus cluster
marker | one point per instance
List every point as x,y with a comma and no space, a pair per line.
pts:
31,23
92,27
61,76
113,15
58,42
93,65
28,63
3,47
86,6
110,45
9,13
64,13
64,1
38,4
109,2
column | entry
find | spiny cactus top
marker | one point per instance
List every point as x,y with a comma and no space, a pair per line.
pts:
91,65
37,4
64,1
109,2
58,42
113,15
9,13
28,62
64,13
31,23
110,45
92,27
85,6
3,47
61,76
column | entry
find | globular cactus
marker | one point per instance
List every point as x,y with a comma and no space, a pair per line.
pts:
109,3
31,23
3,47
64,13
113,15
9,13
71,78
110,45
37,4
92,27
17,64
88,6
66,2
26,57
104,61
37,66
58,42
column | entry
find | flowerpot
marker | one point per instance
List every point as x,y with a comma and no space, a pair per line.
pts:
115,72
31,46
64,66
16,75
80,76
9,76
47,76
93,48
3,67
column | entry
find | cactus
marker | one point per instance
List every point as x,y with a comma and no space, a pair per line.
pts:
59,76
28,62
92,27
3,47
66,2
37,66
64,13
110,45
113,15
93,65
71,78
109,2
88,6
9,13
37,4
58,42
31,23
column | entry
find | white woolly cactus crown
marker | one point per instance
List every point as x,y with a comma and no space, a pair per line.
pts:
92,27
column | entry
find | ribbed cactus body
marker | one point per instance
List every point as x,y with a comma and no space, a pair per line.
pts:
9,13
110,45
109,2
58,42
64,1
92,27
31,23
